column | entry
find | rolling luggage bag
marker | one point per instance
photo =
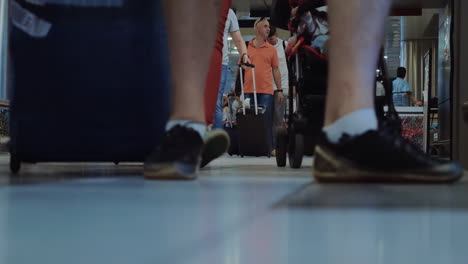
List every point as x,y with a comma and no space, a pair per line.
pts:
252,126
89,80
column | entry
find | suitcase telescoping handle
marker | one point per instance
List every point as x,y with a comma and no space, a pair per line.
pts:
252,66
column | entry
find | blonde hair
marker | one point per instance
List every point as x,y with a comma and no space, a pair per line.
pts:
258,21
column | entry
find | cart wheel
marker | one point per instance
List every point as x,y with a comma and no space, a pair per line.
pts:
296,150
15,163
281,146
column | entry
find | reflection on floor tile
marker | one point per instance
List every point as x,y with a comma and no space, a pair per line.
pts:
385,196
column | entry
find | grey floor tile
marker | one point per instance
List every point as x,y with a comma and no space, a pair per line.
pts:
239,211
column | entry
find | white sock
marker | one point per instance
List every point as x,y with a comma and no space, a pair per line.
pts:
199,127
353,124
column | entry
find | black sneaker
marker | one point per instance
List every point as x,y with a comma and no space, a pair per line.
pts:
379,156
216,144
177,158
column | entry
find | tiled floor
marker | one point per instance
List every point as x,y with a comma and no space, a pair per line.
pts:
239,211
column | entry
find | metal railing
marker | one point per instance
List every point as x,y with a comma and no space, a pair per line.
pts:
3,48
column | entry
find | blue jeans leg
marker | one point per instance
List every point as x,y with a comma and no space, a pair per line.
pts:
218,118
267,101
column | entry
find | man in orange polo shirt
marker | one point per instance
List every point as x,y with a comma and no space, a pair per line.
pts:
265,58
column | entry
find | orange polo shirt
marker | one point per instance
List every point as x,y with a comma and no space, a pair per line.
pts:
264,58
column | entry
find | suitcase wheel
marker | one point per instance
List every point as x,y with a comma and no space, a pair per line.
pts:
296,150
15,163
281,146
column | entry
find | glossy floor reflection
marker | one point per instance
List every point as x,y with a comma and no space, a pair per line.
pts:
239,211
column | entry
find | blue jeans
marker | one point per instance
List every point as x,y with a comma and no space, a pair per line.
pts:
267,101
218,118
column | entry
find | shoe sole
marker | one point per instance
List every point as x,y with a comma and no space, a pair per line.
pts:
170,171
341,171
216,144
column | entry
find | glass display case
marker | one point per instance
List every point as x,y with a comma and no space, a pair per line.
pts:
413,128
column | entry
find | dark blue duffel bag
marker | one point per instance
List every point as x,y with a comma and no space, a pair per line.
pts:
92,85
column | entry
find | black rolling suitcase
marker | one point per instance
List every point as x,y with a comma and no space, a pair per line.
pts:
93,86
252,126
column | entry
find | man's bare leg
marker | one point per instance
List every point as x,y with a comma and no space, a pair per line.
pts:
356,34
191,28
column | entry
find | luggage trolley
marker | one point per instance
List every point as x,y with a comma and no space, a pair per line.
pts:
308,74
